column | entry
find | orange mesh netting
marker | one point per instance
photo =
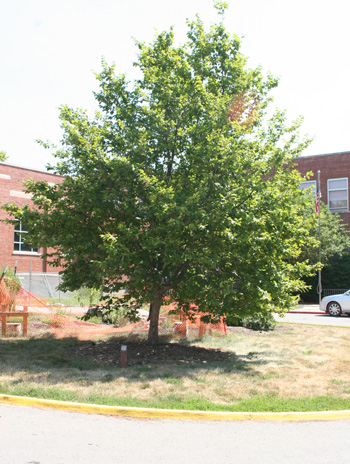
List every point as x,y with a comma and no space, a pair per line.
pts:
4,294
171,325
14,302
63,326
13,295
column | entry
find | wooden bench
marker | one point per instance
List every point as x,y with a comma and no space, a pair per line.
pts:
6,314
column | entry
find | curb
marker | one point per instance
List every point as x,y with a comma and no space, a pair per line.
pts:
152,413
306,312
323,313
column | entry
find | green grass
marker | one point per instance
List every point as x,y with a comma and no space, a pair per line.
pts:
258,403
73,301
15,319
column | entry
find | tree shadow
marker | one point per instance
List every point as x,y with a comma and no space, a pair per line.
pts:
64,360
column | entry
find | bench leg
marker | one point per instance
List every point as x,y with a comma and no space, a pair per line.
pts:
3,323
25,324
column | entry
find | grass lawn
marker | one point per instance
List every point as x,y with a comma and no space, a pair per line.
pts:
294,368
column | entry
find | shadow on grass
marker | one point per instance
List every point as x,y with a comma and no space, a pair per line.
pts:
167,360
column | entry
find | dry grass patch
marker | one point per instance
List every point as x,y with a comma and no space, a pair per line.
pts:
291,362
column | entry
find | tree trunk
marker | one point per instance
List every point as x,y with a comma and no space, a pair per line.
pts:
154,319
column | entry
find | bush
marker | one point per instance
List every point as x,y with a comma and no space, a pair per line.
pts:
234,321
261,322
113,311
86,295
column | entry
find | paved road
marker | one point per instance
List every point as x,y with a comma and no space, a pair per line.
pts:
309,318
35,436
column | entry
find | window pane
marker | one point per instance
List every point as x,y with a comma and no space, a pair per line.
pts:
307,184
26,248
337,195
19,234
338,199
340,204
337,184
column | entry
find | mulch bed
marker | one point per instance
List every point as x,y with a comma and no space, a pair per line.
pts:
140,353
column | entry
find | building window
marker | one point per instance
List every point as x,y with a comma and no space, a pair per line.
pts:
19,245
309,184
338,194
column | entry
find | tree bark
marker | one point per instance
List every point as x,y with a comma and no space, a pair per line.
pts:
154,319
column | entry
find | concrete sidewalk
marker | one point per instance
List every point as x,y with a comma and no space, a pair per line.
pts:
307,309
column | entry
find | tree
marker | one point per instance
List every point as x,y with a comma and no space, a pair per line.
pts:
3,155
178,184
335,238
335,253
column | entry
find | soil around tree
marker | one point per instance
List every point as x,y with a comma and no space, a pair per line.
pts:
140,353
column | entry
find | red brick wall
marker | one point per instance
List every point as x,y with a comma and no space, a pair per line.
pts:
331,166
11,191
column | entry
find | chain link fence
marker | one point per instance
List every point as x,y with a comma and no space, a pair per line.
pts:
333,291
44,285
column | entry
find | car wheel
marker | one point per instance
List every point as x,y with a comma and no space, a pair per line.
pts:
334,309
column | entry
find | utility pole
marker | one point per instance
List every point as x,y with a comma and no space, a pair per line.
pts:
318,203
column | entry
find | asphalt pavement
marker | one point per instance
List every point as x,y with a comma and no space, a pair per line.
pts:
36,436
311,314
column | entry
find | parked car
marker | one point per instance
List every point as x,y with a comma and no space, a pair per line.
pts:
335,305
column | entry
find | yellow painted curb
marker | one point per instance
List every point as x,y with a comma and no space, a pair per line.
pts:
176,414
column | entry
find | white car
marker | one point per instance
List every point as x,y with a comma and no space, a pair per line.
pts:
335,305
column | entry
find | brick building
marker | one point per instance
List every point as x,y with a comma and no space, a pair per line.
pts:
13,252
334,179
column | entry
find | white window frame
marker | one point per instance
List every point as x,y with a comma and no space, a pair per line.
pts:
19,232
330,189
307,184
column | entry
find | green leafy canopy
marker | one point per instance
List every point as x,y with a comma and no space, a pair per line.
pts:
3,155
179,184
335,253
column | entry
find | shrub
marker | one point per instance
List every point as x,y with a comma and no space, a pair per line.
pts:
264,322
113,311
86,295
233,320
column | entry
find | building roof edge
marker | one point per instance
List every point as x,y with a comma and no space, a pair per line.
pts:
29,169
324,154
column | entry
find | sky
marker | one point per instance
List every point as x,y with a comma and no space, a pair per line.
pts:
50,51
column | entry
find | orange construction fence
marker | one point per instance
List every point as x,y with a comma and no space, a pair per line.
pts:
172,322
